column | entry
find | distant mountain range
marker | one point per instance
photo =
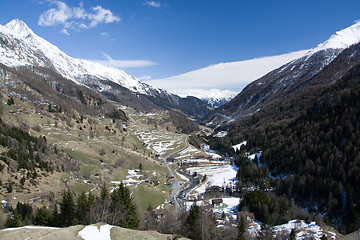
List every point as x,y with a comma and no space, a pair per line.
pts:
20,47
214,97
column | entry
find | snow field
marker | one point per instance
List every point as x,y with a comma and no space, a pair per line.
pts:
216,175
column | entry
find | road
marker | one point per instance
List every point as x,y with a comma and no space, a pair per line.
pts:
176,186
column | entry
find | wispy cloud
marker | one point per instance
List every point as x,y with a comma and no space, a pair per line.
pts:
104,34
64,31
76,18
152,4
357,21
124,63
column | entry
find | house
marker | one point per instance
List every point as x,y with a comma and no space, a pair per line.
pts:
171,159
250,217
217,202
168,183
213,189
160,213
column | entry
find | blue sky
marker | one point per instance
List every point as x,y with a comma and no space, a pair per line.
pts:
163,38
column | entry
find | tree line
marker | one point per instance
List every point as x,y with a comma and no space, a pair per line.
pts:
113,207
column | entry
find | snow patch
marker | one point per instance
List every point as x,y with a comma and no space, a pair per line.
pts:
221,134
94,233
29,227
238,146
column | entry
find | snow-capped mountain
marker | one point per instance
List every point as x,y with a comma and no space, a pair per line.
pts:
21,47
290,77
340,40
214,97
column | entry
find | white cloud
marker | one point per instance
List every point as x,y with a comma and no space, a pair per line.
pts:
357,21
55,16
124,63
76,18
152,4
232,75
64,31
104,34
101,15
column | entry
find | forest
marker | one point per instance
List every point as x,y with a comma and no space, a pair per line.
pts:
311,157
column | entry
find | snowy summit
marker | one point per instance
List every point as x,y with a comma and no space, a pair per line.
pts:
341,39
20,46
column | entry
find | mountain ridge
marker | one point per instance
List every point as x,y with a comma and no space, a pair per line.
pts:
286,79
21,47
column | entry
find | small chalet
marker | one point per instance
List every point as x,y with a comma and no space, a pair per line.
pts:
217,202
250,217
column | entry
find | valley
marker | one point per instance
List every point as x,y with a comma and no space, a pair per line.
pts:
82,144
141,153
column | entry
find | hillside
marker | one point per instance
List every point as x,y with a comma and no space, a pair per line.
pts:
62,136
307,140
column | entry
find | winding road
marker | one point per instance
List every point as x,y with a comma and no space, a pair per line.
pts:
176,186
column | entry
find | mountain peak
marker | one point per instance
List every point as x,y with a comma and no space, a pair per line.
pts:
19,28
341,39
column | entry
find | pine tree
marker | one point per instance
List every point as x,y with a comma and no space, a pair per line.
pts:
192,223
241,228
55,217
42,216
104,193
13,220
122,202
82,209
67,209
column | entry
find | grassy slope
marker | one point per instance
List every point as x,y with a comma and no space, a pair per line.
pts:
102,148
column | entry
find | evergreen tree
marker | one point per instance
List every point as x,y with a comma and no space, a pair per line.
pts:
13,220
122,202
25,211
55,217
10,101
67,209
90,201
241,228
42,216
292,234
104,193
82,209
192,223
